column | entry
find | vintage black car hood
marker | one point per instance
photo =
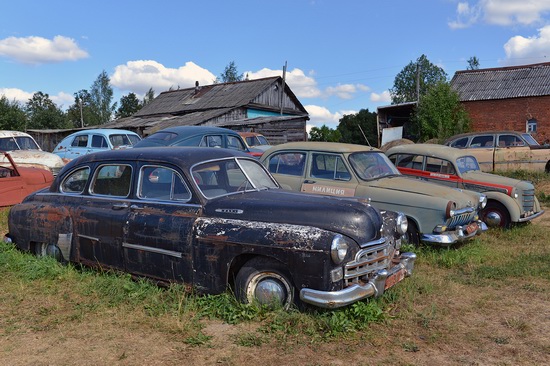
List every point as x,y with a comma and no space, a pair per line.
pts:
350,217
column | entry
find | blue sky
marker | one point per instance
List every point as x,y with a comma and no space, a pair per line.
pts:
341,56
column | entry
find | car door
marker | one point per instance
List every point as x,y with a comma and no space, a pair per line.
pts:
101,215
483,148
329,175
78,146
158,233
512,153
288,168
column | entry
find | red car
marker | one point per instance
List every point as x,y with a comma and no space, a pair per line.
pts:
18,182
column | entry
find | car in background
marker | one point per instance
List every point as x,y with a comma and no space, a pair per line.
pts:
436,214
503,150
27,153
256,142
202,136
18,182
508,200
94,140
212,219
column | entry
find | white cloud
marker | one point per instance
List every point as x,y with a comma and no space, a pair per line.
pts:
385,97
16,94
38,50
322,116
500,12
139,76
536,48
303,86
345,91
62,100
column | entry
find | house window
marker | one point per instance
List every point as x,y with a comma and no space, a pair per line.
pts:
531,125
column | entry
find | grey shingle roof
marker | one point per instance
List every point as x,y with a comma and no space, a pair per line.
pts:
227,95
502,83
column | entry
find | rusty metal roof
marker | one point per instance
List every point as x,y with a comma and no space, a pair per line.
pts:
503,83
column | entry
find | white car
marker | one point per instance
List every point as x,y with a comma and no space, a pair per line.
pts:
27,153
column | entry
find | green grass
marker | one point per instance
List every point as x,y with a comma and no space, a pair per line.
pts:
41,294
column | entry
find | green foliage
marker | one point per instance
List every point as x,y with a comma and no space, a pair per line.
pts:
324,133
473,63
148,98
43,113
359,128
229,74
440,114
129,104
421,73
12,115
80,113
101,94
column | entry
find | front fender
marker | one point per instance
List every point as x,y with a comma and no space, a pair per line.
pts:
511,204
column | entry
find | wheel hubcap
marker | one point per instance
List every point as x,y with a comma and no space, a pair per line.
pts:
270,291
493,219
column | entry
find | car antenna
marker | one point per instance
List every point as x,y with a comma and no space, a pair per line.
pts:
360,129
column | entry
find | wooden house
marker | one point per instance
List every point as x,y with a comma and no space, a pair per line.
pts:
266,106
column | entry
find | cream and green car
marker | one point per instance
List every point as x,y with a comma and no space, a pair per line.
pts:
436,214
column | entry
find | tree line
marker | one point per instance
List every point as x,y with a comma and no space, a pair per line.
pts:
91,107
438,113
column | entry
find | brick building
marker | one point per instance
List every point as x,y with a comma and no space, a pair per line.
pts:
509,98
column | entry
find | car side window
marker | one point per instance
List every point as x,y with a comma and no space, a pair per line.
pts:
233,142
99,142
162,183
483,141
211,141
509,140
112,180
289,163
80,141
76,181
329,166
460,143
410,161
436,165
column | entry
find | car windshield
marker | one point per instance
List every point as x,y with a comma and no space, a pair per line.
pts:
372,165
467,164
18,143
530,139
228,176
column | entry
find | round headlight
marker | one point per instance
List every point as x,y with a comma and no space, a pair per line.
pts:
450,210
483,201
402,223
338,249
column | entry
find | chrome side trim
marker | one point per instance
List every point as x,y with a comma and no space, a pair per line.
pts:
153,250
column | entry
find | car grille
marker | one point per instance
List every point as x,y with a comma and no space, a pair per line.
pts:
462,219
528,198
368,261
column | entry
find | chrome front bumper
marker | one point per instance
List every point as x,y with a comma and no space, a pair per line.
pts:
531,217
460,234
382,280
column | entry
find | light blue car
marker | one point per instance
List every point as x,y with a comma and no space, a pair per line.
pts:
89,141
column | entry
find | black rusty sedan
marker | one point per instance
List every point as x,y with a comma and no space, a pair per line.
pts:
212,219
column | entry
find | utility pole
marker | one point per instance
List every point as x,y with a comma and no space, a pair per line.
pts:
283,89
81,114
417,81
